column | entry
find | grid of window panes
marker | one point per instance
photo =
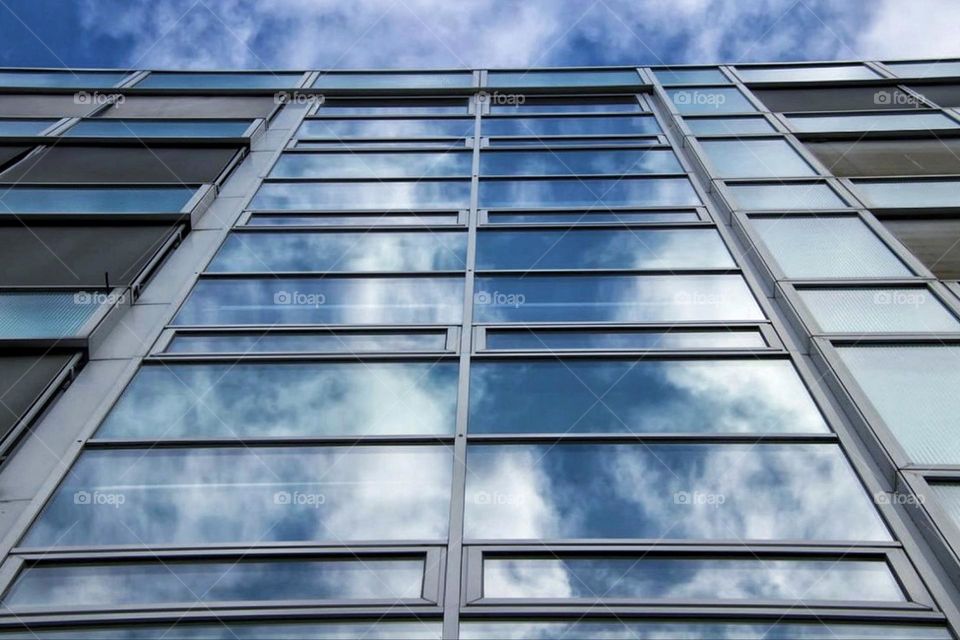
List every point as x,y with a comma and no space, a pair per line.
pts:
480,364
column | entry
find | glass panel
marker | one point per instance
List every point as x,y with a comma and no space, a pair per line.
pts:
910,193
948,496
728,126
400,80
566,162
331,252
18,199
388,144
367,219
237,400
268,301
682,75
48,314
422,194
649,396
708,100
573,141
63,79
755,159
308,342
808,247
74,586
513,104
686,630
372,165
569,126
785,196
590,217
194,80
614,249
807,74
925,69
814,98
622,339
908,310
393,106
897,157
588,192
250,495
392,128
24,126
158,128
619,298
873,122
271,630
591,78
683,579
666,491
914,389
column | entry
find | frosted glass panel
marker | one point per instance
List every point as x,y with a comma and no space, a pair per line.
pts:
754,159
948,494
911,194
827,247
785,196
46,314
867,310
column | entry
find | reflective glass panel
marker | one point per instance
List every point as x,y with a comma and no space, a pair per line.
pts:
926,69
177,128
381,144
785,196
387,128
933,120
590,216
807,74
567,162
514,104
225,629
19,199
267,301
392,106
569,126
708,100
751,158
622,339
63,79
365,219
237,400
574,141
24,126
908,310
681,75
308,342
728,126
666,491
48,314
588,192
649,396
200,80
330,252
910,194
206,495
596,249
372,165
385,196
400,80
73,586
948,497
561,78
613,298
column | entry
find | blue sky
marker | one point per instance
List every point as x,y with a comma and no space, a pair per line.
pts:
465,33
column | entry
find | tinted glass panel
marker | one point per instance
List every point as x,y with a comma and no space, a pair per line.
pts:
928,69
24,127
690,76
588,192
422,194
47,314
326,252
908,310
370,219
271,630
755,159
158,128
666,491
709,100
678,579
785,196
94,199
910,193
220,80
727,126
651,396
285,399
372,165
392,106
37,105
888,157
590,217
807,247
836,99
307,342
873,122
561,162
622,339
944,95
595,78
251,495
73,586
66,79
806,74
182,106
626,298
334,80
933,241
569,126
509,103
574,141
266,301
615,249
393,128
914,389
22,380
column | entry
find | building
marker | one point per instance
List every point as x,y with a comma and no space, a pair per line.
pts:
605,352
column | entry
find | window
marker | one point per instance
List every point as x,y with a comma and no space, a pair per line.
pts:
555,142
387,219
277,629
944,95
864,310
23,379
918,121
396,80
913,389
567,162
195,80
182,106
807,247
909,194
932,241
589,216
562,104
888,157
268,301
691,75
346,342
709,100
729,126
249,399
622,339
640,396
206,495
42,105
373,165
666,492
25,200
813,73
393,106
24,126
329,252
387,128
837,99
569,126
753,158
588,192
144,128
62,79
47,314
796,196
595,249
383,196
926,69
563,78
615,298
948,496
